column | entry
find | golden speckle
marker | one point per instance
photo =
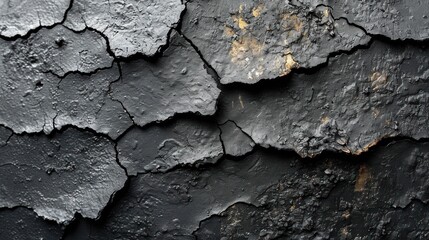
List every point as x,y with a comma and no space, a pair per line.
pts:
256,11
378,80
245,47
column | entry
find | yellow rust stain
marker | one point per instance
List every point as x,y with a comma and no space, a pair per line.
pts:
378,80
367,147
228,31
325,119
256,11
239,20
244,47
241,101
362,178
289,63
326,12
292,22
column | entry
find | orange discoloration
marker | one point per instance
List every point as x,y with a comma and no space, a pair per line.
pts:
362,178
292,22
245,47
290,63
378,80
228,31
256,11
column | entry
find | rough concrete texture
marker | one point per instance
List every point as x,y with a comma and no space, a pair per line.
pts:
159,148
380,92
246,41
174,83
402,19
21,223
58,176
214,119
132,26
18,17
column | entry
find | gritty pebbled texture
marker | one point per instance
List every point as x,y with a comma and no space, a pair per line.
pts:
22,223
58,176
159,148
131,26
373,99
235,141
174,83
337,200
399,19
18,17
246,41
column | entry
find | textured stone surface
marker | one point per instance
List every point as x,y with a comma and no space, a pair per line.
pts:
58,176
379,92
401,19
337,200
246,41
176,143
236,142
131,26
85,101
18,17
35,100
21,223
175,83
270,195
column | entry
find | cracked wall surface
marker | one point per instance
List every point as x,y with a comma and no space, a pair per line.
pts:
214,119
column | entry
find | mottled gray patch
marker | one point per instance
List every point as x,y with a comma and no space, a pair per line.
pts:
131,26
58,176
18,17
175,83
348,106
162,147
246,41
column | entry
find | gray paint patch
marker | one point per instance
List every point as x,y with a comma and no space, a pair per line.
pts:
70,172
175,83
176,143
131,26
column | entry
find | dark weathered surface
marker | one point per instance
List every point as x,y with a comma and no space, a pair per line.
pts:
70,172
268,195
246,41
337,200
373,98
175,83
127,119
170,205
18,17
400,19
236,142
132,26
21,223
176,143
